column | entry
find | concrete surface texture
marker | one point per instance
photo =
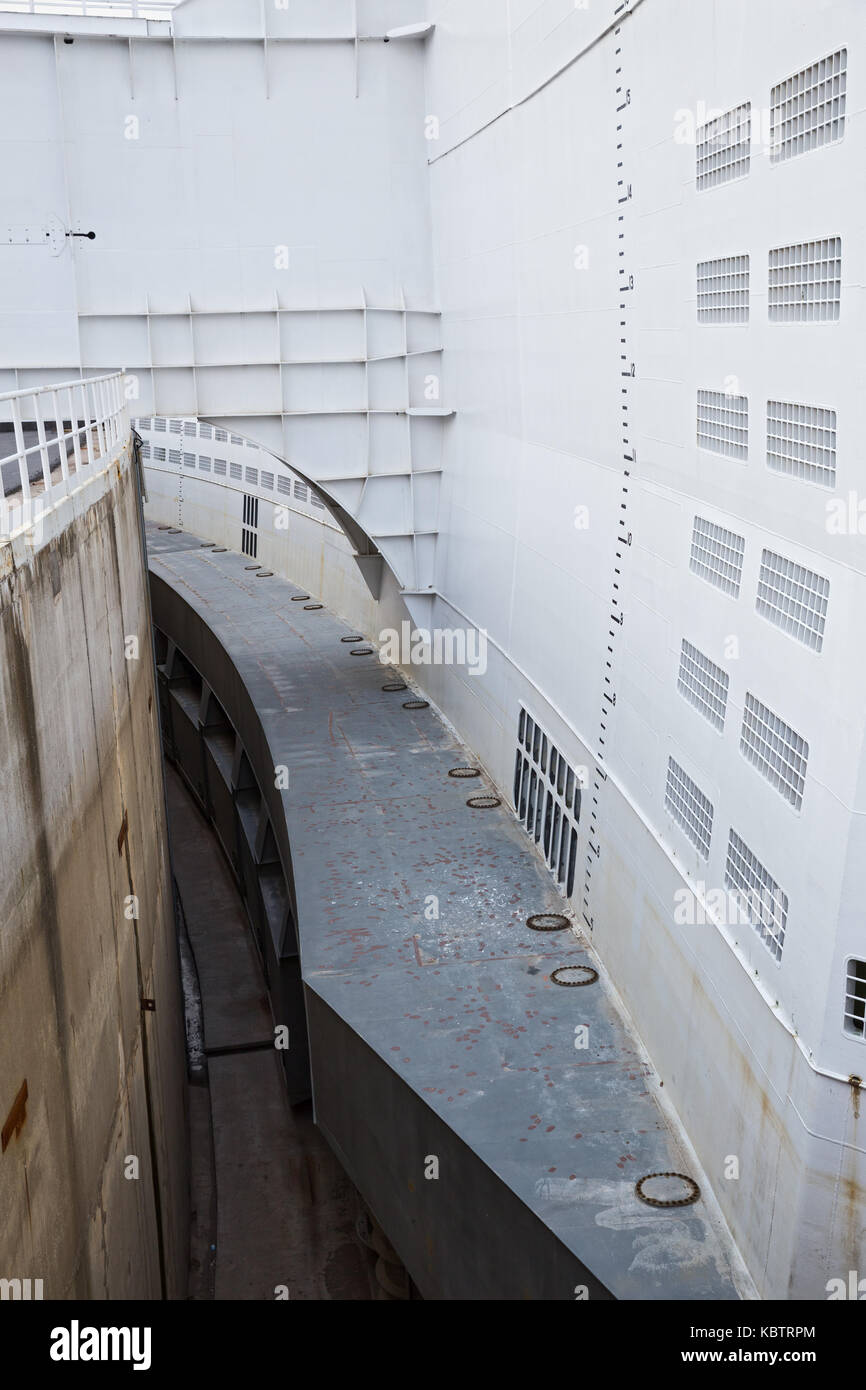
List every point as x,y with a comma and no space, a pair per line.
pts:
285,1212
93,1176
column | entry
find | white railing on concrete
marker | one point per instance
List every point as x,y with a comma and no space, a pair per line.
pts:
60,433
98,9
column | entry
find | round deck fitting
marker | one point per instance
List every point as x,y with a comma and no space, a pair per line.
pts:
416,704
547,921
483,803
208,545
219,550
265,574
395,685
313,607
175,531
362,651
164,528
252,567
691,1196
351,639
559,976
463,772
300,598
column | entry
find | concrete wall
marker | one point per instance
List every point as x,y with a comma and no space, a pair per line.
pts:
80,759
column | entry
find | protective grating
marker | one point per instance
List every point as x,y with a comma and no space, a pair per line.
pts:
284,485
219,466
145,449
176,426
801,441
160,424
794,598
723,424
175,457
206,431
723,290
724,148
268,481
855,997
717,555
301,491
189,427
235,471
775,749
158,454
253,476
805,281
692,811
703,684
547,799
766,906
189,460
808,109
204,463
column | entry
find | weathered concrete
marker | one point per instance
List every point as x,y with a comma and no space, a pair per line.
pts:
82,827
431,1036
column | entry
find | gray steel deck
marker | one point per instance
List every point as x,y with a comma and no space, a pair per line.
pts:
461,1011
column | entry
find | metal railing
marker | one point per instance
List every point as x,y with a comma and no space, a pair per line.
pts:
98,9
60,433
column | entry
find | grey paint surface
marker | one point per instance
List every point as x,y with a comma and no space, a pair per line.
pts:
457,1019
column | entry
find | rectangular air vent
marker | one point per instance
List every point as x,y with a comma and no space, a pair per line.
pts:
547,794
206,431
316,501
775,749
855,998
723,424
253,476
189,428
759,895
176,426
145,449
189,460
801,441
159,454
236,471
724,148
794,598
237,439
300,491
268,480
219,466
284,485
808,109
723,290
220,436
174,456
805,284
159,424
717,555
692,811
703,684
204,463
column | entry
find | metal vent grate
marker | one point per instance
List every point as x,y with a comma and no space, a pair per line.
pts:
175,457
801,441
189,427
764,903
723,424
160,424
206,431
724,147
723,290
268,481
253,476
794,598
159,454
300,491
145,449
775,749
547,799
855,997
189,460
808,109
284,485
703,684
237,439
692,811
220,436
236,471
176,426
316,500
204,463
219,466
717,555
805,281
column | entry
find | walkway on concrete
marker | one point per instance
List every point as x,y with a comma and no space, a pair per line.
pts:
285,1210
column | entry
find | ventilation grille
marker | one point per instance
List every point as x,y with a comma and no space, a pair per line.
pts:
763,903
189,427
801,441
253,476
855,997
189,460
236,471
793,598
808,109
300,491
220,436
317,501
723,290
723,148
204,463
691,810
717,555
174,456
159,424
806,281
145,449
547,799
159,454
219,466
176,426
723,424
703,684
284,485
268,480
206,431
237,439
775,749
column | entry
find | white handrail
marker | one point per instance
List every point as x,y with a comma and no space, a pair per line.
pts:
99,9
78,426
